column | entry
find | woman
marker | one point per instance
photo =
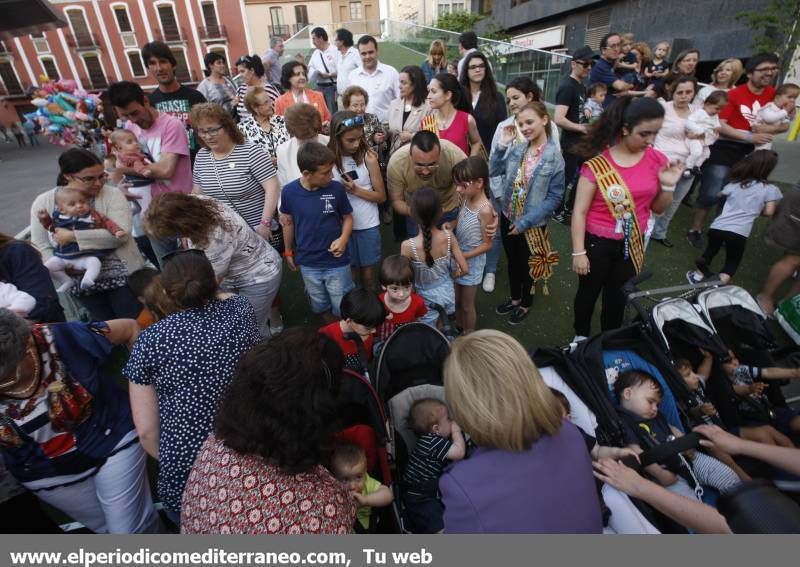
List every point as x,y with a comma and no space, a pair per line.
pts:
723,78
638,180
244,263
304,124
488,107
540,470
685,64
532,186
252,74
406,111
217,87
66,428
671,141
110,297
233,171
180,367
21,265
263,127
294,78
450,117
275,428
436,62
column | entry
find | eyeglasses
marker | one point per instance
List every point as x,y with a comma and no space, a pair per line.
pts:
433,165
181,252
476,67
209,131
585,64
771,69
350,123
612,46
89,179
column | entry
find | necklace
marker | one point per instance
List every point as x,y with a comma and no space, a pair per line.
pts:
442,124
22,385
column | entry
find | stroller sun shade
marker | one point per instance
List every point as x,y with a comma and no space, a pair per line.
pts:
412,356
684,331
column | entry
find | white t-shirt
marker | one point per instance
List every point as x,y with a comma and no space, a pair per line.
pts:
743,205
365,213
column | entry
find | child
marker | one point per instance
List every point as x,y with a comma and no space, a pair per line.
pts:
357,169
658,67
748,195
593,107
452,68
432,277
643,426
402,304
73,211
627,66
780,111
316,213
472,184
349,464
701,411
754,406
439,439
15,300
703,122
145,284
362,312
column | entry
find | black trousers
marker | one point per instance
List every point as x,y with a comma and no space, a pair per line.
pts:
608,272
734,249
572,169
517,254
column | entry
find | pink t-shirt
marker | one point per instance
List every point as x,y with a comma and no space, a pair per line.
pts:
167,135
642,182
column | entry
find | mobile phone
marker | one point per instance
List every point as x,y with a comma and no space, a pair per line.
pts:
352,175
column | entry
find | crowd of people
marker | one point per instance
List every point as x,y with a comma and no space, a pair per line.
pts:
176,243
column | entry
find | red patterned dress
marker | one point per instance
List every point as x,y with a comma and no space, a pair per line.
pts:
228,492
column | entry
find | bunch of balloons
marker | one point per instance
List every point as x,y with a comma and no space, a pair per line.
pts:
67,114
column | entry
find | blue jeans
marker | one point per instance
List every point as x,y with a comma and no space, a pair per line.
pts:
662,222
261,296
330,95
712,182
493,255
448,216
326,287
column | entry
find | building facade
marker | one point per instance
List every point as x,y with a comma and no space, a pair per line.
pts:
102,44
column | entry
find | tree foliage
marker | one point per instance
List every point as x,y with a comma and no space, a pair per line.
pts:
460,21
777,29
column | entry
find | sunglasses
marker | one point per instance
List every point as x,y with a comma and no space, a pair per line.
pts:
585,64
350,123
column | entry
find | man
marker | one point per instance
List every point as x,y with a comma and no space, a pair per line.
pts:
347,60
467,43
271,59
171,97
738,135
569,117
322,67
603,70
428,162
164,137
381,81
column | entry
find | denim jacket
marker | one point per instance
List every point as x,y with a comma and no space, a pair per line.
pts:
545,189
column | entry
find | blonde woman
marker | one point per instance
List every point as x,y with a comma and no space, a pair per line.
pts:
723,78
539,469
436,62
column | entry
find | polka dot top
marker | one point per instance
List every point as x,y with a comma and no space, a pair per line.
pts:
189,358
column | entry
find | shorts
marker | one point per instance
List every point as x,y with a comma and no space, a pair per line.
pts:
440,293
475,274
364,247
326,287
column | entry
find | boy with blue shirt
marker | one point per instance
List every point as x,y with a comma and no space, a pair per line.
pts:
316,214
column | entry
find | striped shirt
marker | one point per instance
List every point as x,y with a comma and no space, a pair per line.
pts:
427,462
236,180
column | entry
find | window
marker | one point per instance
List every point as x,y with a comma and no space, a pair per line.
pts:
137,65
485,6
83,36
598,24
168,23
301,15
182,69
276,15
97,78
123,21
459,7
210,17
443,9
50,68
40,42
355,11
10,78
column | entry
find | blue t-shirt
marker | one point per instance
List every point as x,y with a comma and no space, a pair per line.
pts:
317,216
603,72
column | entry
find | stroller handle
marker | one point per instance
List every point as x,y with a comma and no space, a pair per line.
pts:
663,451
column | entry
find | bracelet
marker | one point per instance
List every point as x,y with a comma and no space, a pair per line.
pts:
668,188
264,221
288,253
581,253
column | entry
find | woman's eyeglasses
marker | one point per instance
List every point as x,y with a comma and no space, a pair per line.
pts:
205,132
476,67
350,123
89,179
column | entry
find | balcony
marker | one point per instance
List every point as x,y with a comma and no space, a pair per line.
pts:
212,33
280,31
170,35
82,41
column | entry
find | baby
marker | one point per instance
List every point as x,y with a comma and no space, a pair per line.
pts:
701,410
780,111
439,440
703,122
129,153
593,107
349,462
644,427
15,300
73,211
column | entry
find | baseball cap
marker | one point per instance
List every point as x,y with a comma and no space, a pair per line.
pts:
584,53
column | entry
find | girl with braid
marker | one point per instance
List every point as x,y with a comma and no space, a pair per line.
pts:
434,253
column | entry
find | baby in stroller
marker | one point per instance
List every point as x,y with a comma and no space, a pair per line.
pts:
639,394
700,410
349,463
439,440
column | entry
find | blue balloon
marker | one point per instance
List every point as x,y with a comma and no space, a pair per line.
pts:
55,128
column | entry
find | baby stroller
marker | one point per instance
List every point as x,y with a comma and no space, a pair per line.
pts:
409,368
364,423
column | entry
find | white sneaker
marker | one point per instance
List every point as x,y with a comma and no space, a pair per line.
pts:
694,277
488,282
